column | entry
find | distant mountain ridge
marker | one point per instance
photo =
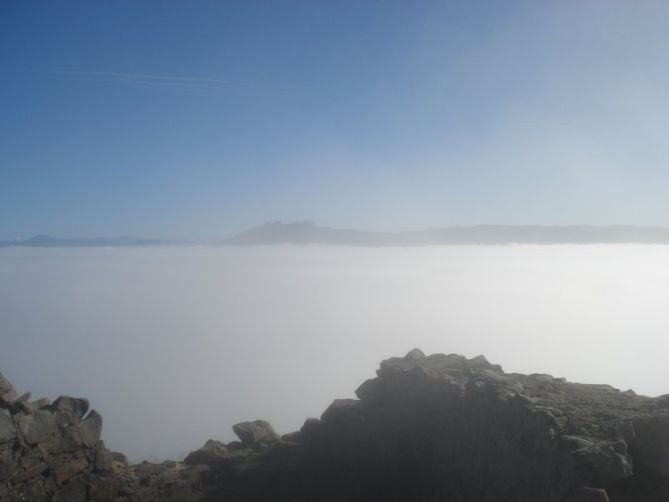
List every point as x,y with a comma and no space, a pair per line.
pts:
42,240
308,232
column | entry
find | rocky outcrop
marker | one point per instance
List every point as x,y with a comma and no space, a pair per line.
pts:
426,429
444,427
53,452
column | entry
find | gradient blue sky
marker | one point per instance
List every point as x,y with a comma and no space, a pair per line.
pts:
197,119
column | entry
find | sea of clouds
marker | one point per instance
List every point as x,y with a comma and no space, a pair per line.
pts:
175,344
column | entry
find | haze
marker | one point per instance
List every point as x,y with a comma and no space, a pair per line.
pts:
173,345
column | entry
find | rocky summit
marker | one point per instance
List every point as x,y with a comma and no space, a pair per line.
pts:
438,428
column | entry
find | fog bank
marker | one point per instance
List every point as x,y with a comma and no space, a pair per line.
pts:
173,345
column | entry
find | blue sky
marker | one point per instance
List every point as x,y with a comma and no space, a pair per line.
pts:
199,119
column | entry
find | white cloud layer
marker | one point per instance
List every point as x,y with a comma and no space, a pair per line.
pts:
174,345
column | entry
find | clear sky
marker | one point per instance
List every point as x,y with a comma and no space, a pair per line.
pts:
197,119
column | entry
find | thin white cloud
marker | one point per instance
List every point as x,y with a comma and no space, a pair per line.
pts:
168,82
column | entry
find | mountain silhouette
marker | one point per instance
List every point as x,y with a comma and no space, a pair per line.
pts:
308,232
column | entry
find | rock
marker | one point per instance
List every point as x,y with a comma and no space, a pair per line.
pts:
48,454
367,389
91,429
343,411
481,363
37,427
413,355
119,458
68,441
33,491
74,491
650,445
65,419
169,481
7,464
7,392
427,428
78,406
101,458
444,427
291,437
211,453
69,465
24,406
43,402
234,446
30,472
24,397
104,488
256,432
147,472
7,428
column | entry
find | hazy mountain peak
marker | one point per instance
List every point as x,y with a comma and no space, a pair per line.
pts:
308,232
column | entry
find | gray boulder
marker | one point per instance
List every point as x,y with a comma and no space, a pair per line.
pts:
78,406
91,429
255,433
213,452
37,427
